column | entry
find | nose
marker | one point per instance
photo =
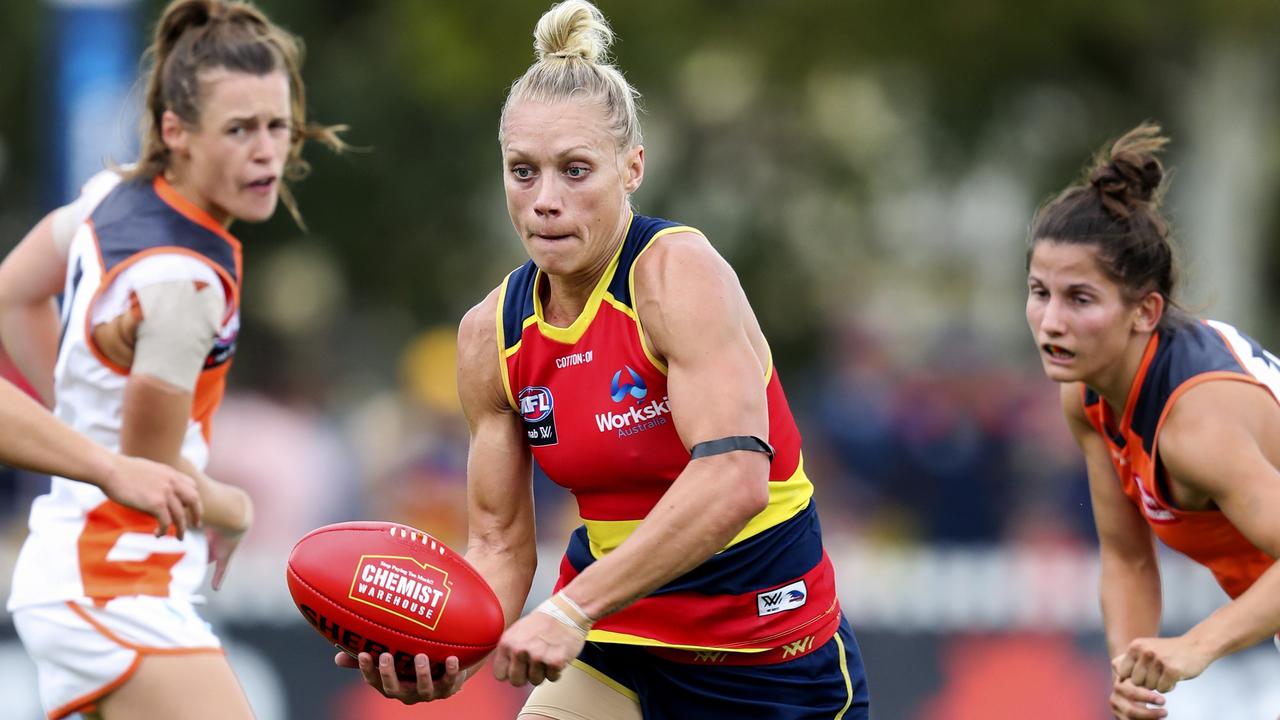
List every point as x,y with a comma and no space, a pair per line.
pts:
547,202
264,149
1052,319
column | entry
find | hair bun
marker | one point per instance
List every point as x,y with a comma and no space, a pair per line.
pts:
573,29
1132,173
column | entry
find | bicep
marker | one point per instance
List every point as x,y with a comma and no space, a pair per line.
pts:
499,463
696,314
1214,441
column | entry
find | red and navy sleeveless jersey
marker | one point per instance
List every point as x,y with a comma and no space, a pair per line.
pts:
1176,359
593,399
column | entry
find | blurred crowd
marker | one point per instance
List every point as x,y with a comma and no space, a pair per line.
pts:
954,447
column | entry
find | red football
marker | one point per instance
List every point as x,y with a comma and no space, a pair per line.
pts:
380,587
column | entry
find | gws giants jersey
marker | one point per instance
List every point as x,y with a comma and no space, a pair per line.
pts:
593,398
1175,360
82,545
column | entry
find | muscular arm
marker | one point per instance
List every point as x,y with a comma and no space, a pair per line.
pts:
30,278
1130,582
1222,439
694,311
501,543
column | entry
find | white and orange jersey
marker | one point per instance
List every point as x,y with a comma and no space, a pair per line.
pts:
82,545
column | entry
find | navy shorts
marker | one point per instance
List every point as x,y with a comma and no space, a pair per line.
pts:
828,683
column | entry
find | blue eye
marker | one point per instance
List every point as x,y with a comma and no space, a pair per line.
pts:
522,172
576,171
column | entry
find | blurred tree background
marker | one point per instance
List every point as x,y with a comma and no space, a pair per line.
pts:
866,157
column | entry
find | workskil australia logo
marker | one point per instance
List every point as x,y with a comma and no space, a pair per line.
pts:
637,418
636,388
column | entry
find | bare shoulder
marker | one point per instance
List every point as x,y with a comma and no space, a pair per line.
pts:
479,365
1214,408
478,330
678,258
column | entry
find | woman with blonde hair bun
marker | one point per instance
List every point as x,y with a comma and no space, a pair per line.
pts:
625,359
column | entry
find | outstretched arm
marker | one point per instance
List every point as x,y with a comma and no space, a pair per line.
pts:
501,543
32,438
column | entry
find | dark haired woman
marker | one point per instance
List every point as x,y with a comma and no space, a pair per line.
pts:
1177,417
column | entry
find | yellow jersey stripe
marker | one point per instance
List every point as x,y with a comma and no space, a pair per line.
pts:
786,499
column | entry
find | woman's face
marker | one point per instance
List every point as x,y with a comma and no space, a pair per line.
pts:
1079,317
567,183
231,162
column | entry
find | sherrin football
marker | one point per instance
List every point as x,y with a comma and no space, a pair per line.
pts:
380,587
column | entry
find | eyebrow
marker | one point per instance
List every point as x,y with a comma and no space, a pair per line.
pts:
1073,287
252,118
574,149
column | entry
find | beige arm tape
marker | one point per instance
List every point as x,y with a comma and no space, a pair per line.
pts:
179,325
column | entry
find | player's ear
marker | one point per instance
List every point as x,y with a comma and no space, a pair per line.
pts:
633,169
1148,311
174,132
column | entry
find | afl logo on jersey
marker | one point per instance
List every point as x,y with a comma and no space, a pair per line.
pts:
537,410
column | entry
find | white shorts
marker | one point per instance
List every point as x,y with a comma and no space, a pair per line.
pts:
82,652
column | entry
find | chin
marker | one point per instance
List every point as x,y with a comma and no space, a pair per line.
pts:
1061,374
256,213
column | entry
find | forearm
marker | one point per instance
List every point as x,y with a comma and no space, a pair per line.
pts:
1131,605
1249,619
704,509
225,506
29,333
38,441
508,568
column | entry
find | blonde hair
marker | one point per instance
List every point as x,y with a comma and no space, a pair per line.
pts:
193,36
572,42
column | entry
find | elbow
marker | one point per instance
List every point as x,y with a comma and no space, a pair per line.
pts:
750,491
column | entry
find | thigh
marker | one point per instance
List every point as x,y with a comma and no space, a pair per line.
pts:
593,687
86,655
192,686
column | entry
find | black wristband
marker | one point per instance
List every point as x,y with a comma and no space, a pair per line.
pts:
730,444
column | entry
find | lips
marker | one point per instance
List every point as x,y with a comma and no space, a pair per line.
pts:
1057,352
263,183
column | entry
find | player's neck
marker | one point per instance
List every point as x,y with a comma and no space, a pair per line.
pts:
1117,382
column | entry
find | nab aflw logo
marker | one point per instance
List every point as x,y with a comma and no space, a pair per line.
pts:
787,597
537,410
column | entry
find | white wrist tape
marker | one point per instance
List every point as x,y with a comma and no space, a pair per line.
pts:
566,612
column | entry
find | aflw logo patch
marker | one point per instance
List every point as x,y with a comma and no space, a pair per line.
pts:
787,597
403,587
